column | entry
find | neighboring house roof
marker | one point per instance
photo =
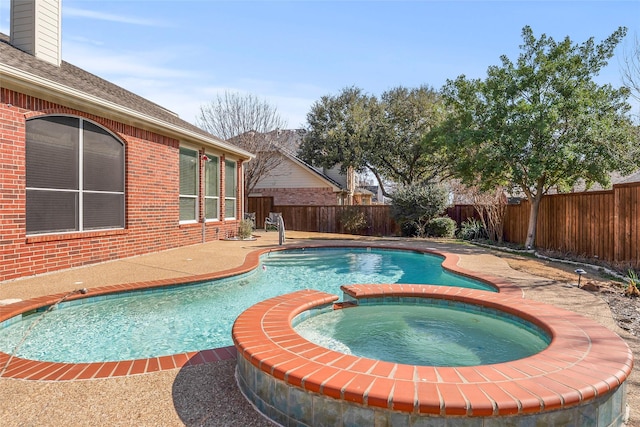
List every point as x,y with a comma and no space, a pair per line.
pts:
580,187
312,170
76,88
634,177
286,142
615,178
363,192
288,139
375,192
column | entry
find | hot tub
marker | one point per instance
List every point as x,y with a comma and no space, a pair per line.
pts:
579,379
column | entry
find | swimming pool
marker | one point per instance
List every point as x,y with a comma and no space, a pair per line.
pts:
181,319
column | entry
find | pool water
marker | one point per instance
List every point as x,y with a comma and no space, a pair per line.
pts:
428,335
197,317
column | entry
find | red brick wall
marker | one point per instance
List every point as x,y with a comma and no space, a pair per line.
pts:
152,199
300,196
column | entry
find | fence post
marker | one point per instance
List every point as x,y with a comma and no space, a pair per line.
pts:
617,242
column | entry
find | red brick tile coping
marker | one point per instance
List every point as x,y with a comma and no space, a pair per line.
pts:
53,371
582,367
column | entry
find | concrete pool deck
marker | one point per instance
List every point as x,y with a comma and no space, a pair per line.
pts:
206,394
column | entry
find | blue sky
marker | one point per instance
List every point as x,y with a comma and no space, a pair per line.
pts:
182,53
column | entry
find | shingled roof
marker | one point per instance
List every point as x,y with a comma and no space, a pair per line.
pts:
76,80
634,177
287,142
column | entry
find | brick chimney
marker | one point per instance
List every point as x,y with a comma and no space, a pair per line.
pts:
36,28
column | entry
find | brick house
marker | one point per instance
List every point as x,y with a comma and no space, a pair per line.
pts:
91,172
295,182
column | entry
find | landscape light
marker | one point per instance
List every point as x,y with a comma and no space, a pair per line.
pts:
580,273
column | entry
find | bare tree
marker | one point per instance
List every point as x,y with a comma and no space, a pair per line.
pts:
493,207
490,205
630,69
249,123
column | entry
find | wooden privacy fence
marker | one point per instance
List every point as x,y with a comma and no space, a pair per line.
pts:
596,224
460,213
325,219
602,225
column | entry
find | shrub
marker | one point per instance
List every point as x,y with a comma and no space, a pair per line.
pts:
441,227
413,206
353,220
409,229
472,229
245,229
632,284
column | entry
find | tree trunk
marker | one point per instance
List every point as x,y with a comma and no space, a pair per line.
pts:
533,221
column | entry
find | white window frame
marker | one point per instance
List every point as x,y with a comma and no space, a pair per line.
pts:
206,197
195,196
235,186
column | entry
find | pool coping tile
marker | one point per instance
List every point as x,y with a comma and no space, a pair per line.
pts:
557,377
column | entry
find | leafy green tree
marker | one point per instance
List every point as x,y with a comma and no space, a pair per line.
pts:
541,122
384,136
339,130
413,206
405,117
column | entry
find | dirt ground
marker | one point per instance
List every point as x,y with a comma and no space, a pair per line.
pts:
625,310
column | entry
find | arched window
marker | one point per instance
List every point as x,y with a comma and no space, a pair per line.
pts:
75,176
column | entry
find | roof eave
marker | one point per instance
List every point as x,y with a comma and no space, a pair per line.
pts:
13,78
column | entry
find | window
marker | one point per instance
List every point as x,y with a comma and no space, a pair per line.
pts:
188,185
211,187
230,188
75,176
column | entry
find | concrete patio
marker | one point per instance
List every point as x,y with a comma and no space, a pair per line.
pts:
207,395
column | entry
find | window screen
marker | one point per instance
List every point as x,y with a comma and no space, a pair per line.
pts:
103,210
53,144
103,160
230,188
52,211
74,174
211,187
188,184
